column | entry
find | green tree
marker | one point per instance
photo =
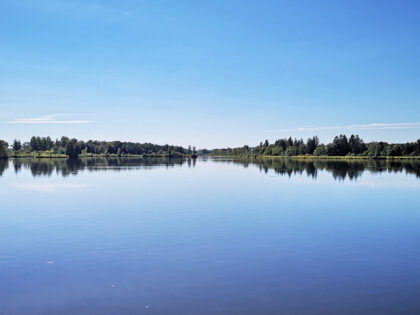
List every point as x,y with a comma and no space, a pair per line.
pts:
34,143
267,151
292,151
339,147
375,149
64,141
17,146
356,145
311,145
396,150
3,150
73,148
321,150
277,151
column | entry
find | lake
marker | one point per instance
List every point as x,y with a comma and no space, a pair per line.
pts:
209,236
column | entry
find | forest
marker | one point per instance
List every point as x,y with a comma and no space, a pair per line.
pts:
74,148
340,146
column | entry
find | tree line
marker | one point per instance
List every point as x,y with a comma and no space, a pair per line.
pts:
340,146
73,148
3,149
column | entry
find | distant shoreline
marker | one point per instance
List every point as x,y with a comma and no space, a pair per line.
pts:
324,157
296,157
341,148
64,156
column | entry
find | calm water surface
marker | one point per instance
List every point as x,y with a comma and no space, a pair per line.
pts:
133,236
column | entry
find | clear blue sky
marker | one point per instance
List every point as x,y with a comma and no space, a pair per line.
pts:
209,73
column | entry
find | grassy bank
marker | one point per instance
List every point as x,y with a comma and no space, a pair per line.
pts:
90,155
39,155
321,157
356,157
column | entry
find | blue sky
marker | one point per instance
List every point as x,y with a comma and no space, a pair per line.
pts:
209,73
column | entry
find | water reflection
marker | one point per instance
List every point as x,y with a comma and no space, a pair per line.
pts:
4,164
340,170
66,167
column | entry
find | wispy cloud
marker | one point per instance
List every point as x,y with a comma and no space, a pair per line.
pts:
49,119
372,126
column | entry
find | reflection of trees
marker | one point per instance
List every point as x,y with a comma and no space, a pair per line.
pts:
66,167
17,167
4,164
339,169
282,166
342,169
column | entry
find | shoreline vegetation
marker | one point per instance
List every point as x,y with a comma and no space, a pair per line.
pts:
342,148
297,157
45,147
322,157
44,155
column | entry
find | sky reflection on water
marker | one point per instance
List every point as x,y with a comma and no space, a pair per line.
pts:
209,236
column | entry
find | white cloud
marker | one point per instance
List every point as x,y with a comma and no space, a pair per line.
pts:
372,126
49,119
387,126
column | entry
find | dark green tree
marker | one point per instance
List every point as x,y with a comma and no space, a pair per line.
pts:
73,148
311,145
17,146
3,149
321,150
